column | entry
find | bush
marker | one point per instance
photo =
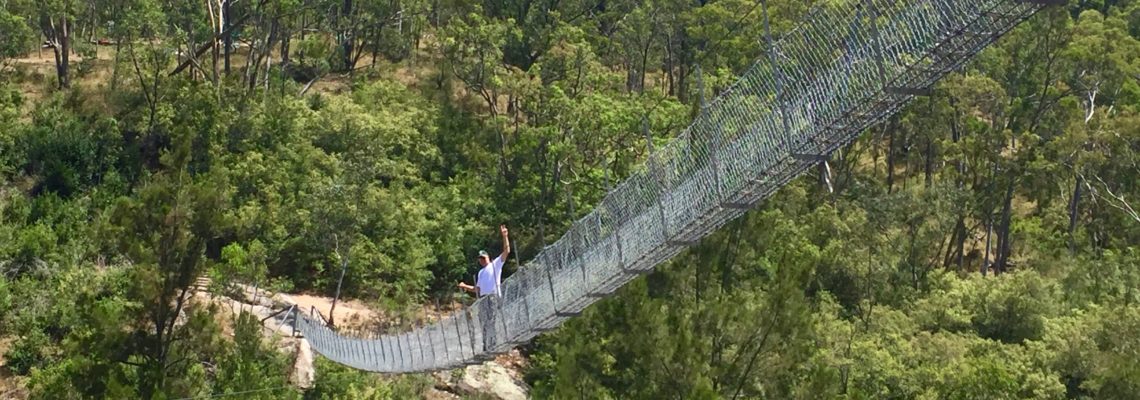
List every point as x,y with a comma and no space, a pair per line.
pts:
1012,307
66,154
339,382
27,352
18,36
5,303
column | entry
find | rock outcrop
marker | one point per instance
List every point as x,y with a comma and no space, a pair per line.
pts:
303,373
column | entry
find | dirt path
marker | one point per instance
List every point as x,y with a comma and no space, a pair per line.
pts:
350,312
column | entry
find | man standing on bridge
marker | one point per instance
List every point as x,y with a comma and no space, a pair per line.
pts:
491,271
487,283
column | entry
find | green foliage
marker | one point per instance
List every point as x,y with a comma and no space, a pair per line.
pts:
1011,308
240,266
5,301
26,353
1115,372
340,382
68,332
1014,310
453,117
251,365
65,152
314,53
18,36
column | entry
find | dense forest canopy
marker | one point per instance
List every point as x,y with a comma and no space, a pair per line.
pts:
983,243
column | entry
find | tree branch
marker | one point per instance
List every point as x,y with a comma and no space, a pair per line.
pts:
1118,198
209,44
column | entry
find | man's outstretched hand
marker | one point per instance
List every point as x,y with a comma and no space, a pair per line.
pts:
506,242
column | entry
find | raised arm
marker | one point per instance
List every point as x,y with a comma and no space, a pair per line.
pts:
506,243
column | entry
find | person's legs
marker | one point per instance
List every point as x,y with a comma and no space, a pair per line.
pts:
487,323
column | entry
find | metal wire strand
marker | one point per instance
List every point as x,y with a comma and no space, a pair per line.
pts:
845,67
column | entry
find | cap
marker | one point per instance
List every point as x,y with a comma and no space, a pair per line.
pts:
483,253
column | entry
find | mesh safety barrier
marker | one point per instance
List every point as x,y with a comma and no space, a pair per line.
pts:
845,67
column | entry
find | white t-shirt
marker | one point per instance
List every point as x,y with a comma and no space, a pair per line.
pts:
489,277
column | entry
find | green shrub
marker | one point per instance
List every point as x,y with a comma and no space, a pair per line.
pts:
27,352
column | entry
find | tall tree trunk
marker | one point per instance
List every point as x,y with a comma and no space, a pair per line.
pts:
671,89
891,128
285,47
928,168
683,68
630,78
65,53
960,237
989,232
643,67
251,65
825,177
60,39
263,53
115,71
375,45
1004,239
346,36
216,28
960,181
1073,208
304,25
229,41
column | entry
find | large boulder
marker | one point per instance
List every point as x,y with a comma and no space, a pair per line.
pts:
492,379
303,372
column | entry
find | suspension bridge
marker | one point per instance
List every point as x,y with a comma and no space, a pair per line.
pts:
843,68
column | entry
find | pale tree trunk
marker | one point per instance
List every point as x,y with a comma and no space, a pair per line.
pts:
64,51
1074,203
825,177
670,89
216,26
347,36
229,39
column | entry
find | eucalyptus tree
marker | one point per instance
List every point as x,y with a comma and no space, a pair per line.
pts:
56,20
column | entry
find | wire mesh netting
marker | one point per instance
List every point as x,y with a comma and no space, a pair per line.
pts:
846,66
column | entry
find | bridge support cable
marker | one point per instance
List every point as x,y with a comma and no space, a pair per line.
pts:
842,69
